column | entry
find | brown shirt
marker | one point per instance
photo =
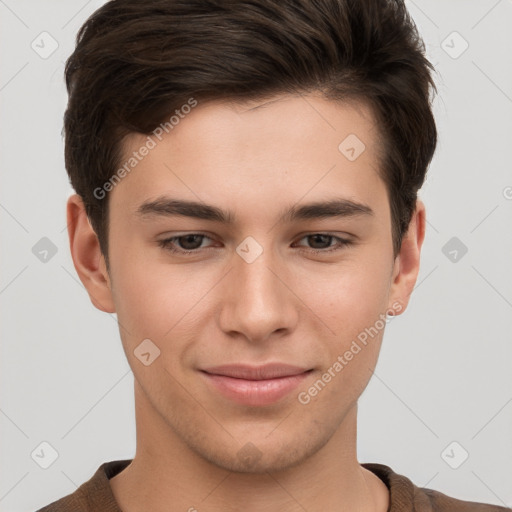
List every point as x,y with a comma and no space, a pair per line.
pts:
96,494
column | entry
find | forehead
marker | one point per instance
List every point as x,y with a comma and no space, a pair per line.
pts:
257,153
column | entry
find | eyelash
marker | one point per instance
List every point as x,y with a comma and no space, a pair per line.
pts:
167,244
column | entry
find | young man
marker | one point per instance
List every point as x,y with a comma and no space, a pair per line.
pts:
246,176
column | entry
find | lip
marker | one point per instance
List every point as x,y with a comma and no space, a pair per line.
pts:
255,385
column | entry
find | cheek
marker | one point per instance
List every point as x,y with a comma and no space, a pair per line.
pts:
159,302
348,298
151,302
352,303
357,317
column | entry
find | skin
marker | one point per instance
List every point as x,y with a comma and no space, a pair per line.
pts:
289,305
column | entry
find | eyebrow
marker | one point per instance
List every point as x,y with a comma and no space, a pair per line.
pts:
168,207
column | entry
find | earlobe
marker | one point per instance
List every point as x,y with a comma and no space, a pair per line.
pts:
407,263
87,258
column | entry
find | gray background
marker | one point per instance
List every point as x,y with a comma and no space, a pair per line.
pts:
444,373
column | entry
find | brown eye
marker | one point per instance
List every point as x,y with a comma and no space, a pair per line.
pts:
183,244
322,243
318,241
188,242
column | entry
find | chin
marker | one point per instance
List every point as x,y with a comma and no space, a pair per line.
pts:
262,455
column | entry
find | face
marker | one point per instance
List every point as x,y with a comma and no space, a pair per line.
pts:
264,322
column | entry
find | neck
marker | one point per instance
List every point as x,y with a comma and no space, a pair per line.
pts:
166,471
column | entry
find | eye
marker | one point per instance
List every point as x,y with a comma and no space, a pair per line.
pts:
191,242
324,239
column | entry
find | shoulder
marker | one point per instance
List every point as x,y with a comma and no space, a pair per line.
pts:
439,501
74,502
70,503
94,494
406,496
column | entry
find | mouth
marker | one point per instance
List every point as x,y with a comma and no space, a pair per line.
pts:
255,385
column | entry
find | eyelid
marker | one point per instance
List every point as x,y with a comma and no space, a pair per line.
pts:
341,242
165,243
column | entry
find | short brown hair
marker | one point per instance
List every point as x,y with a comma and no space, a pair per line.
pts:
135,62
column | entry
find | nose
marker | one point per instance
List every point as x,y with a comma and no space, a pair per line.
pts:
257,302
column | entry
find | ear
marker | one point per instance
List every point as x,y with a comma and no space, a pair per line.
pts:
87,258
407,262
